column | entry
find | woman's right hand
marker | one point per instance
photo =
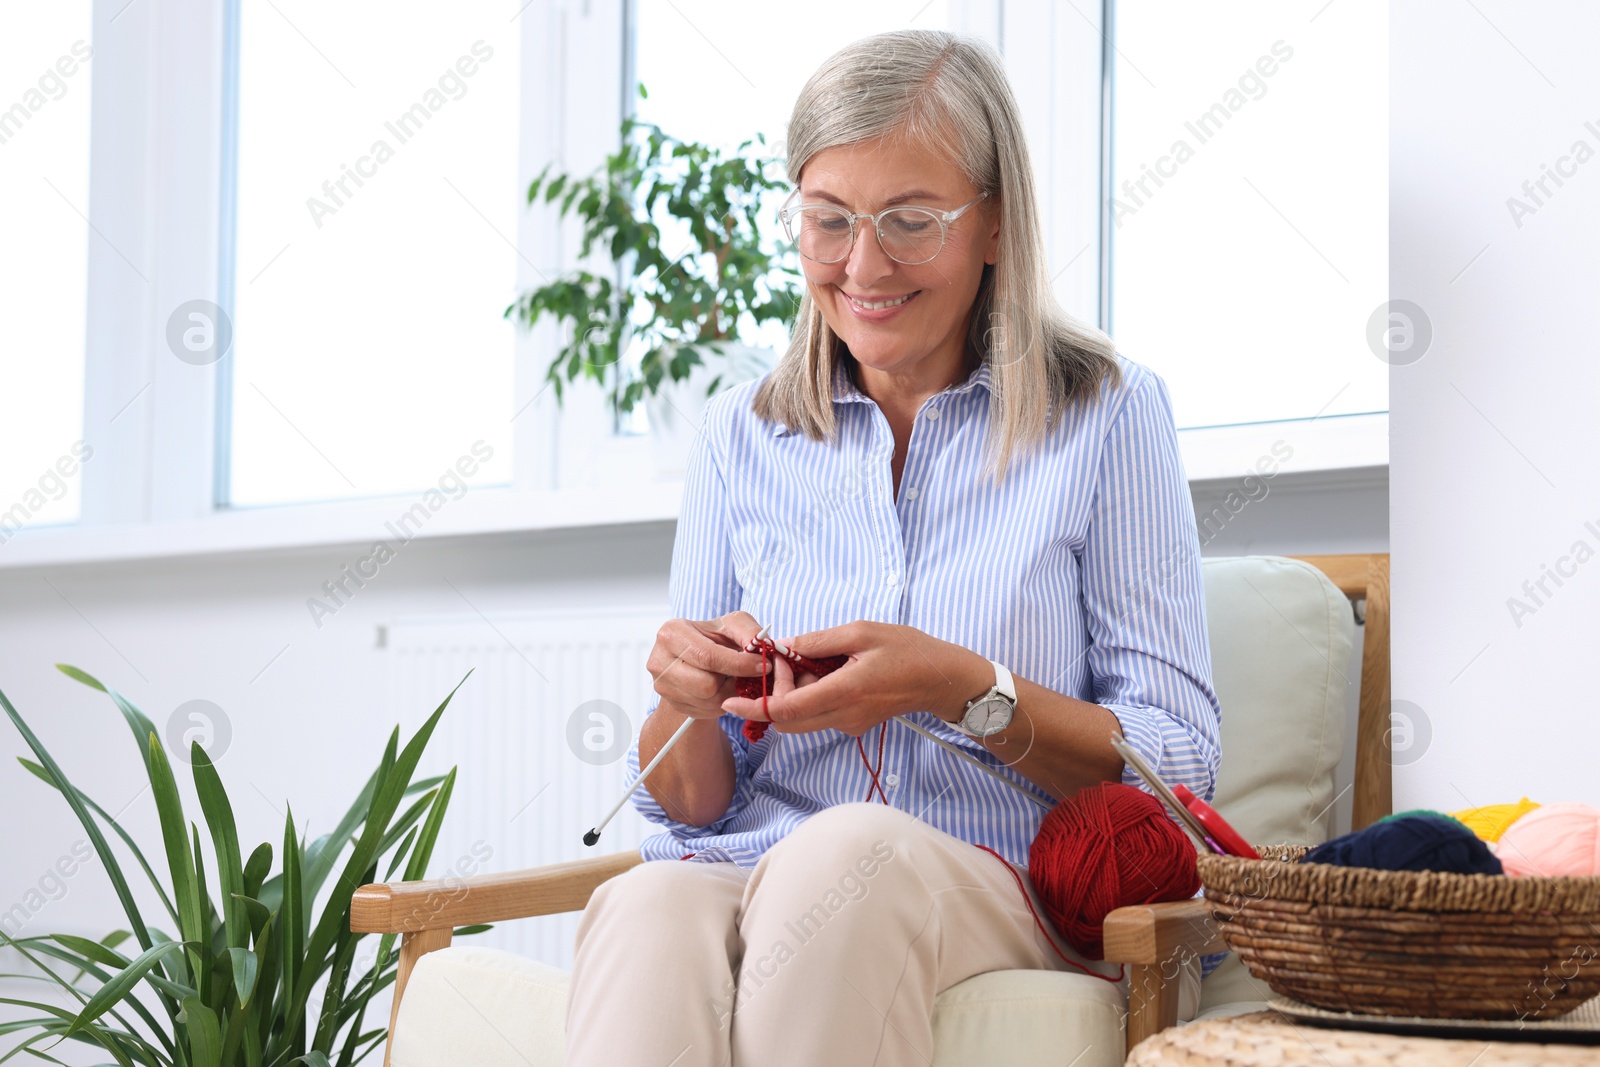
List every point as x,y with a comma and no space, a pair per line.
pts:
694,663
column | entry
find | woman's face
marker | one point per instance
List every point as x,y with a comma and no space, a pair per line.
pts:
928,331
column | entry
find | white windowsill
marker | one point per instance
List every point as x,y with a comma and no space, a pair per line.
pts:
1330,450
1331,443
355,522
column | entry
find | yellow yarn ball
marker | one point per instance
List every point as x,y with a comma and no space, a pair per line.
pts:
1492,820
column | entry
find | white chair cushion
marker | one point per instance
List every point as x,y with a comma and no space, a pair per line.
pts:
1029,1019
489,1008
482,1007
1281,636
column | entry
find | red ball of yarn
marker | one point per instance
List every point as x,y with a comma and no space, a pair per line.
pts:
1106,847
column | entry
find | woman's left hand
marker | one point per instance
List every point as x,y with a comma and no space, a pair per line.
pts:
891,670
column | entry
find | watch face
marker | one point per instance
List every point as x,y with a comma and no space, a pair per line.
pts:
988,716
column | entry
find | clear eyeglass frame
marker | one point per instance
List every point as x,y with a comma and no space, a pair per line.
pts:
790,212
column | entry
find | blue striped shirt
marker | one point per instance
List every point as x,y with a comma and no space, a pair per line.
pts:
1080,572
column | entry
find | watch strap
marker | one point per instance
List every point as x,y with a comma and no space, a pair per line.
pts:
1004,684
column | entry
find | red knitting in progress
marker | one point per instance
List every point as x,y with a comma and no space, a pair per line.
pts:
753,688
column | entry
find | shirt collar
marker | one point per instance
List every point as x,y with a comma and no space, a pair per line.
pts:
845,391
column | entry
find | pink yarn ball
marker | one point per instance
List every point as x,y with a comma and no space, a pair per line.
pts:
1556,839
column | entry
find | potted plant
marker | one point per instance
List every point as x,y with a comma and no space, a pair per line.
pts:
680,302
238,970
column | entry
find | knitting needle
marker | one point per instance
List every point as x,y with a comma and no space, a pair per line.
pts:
976,762
593,836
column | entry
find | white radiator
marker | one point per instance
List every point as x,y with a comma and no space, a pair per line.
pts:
523,796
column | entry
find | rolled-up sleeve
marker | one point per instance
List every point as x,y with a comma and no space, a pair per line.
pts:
1149,653
702,585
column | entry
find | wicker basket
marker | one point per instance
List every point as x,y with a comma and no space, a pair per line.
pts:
1452,946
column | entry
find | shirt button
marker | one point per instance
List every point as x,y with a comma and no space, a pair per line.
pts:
890,578
891,780
912,492
933,414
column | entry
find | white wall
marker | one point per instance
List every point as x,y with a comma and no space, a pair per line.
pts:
1493,429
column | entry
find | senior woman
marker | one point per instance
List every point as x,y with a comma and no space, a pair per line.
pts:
977,501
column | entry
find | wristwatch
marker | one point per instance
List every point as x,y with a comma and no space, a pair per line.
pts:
991,712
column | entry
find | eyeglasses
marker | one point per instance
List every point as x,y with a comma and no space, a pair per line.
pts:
909,235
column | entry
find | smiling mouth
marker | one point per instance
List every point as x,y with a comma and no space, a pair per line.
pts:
881,304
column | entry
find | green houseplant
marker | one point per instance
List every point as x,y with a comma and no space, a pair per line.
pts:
682,305
233,982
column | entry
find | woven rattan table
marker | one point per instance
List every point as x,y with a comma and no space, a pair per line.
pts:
1267,1039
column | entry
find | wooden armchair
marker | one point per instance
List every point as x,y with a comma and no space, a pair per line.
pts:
1150,938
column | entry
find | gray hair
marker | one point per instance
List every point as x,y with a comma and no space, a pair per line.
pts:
934,87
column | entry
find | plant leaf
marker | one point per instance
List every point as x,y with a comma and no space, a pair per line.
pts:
400,854
418,866
205,1034
256,869
93,950
81,676
120,985
245,965
291,932
215,938
258,913
180,859
225,841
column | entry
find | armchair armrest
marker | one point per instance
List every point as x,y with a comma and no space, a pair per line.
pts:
445,903
427,912
1153,940
1154,933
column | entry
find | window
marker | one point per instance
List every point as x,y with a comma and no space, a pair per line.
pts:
46,58
373,228
1249,225
376,221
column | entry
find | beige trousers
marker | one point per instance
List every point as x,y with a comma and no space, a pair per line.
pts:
830,951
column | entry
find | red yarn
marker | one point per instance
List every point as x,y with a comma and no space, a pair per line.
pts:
1106,847
883,728
1037,922
755,731
753,688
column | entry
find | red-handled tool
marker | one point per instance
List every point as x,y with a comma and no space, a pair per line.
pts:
1216,826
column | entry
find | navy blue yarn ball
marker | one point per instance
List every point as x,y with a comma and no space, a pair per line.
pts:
1410,843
